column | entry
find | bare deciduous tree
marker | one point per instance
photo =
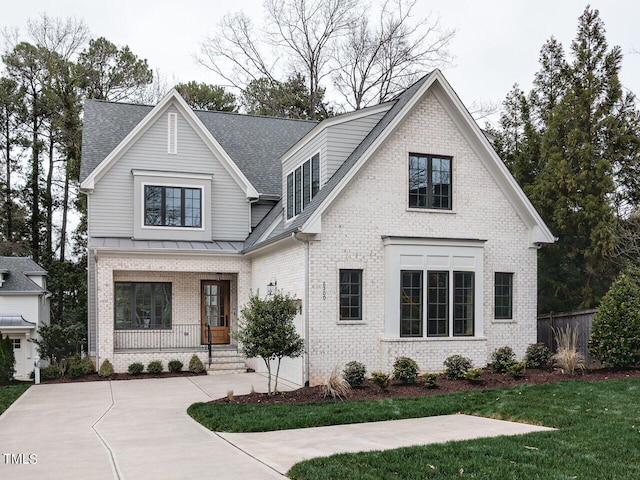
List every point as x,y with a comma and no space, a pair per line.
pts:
377,61
328,40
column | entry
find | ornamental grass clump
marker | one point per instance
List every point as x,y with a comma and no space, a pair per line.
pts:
568,359
456,366
335,385
354,373
405,370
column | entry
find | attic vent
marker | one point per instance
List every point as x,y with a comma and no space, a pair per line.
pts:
172,134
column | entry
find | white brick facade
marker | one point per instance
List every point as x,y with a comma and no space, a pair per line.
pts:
375,205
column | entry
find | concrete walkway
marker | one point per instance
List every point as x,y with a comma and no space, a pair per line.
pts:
139,429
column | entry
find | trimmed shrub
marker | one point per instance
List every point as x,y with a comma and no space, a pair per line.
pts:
195,364
517,369
501,359
381,379
405,370
175,366
106,369
473,375
354,373
537,356
74,369
155,367
456,366
615,334
50,372
136,368
430,380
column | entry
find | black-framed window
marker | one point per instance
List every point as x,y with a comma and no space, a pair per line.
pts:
503,300
350,294
437,304
411,303
430,181
172,206
463,303
16,343
303,184
142,305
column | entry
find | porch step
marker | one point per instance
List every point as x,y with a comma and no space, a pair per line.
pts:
228,362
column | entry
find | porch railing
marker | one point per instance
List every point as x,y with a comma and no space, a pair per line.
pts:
179,336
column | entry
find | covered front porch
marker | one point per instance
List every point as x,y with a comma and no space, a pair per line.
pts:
166,309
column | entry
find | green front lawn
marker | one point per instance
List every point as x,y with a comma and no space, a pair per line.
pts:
10,393
598,436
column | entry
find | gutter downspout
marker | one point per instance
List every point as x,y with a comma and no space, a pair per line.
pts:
95,306
305,319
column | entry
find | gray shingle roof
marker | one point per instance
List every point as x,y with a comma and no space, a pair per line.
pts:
254,143
16,280
400,102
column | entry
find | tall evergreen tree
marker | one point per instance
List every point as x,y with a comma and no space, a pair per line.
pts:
572,143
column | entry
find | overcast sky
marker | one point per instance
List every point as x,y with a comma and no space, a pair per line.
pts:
496,45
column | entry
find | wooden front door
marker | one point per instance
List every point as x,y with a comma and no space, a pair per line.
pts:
214,316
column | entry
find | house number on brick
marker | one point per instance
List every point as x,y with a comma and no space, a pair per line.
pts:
324,291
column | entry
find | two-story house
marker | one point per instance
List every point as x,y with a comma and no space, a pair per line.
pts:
397,226
24,307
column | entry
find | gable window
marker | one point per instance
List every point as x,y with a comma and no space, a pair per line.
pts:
172,206
503,304
350,294
303,185
430,181
140,305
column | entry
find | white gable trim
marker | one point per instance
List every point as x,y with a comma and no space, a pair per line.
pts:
539,232
171,98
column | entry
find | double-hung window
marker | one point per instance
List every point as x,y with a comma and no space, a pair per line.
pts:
303,185
140,305
430,181
172,206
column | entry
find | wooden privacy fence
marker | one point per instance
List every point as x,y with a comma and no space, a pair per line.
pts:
581,320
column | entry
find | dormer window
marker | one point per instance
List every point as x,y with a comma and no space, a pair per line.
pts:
172,206
303,184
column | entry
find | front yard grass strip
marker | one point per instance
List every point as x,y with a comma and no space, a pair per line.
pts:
599,431
10,393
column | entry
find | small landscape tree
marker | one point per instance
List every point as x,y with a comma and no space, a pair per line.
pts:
7,360
268,332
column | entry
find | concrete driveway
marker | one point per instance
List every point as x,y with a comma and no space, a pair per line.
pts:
139,429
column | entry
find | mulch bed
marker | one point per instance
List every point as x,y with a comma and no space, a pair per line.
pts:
94,377
371,391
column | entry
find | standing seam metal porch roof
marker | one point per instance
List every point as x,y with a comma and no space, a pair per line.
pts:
254,143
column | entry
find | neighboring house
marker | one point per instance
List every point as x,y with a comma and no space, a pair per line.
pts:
24,306
397,226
